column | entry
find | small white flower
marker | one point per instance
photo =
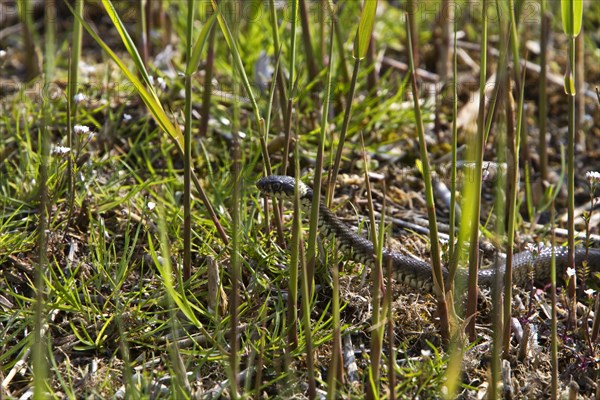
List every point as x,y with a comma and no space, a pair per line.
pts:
571,271
532,248
151,205
162,84
127,117
593,176
589,292
61,150
79,98
151,80
81,129
2,53
426,353
86,68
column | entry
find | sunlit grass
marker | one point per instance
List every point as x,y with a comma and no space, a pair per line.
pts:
133,228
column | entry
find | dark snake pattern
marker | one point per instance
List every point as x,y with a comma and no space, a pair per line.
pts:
414,272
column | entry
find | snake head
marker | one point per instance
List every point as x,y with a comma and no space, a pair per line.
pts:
282,186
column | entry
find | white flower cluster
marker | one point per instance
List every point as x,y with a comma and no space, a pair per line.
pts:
160,82
593,176
534,248
79,98
61,151
83,130
79,130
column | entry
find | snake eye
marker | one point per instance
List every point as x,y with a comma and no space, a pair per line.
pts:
276,187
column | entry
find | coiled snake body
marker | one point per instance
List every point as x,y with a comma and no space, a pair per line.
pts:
411,271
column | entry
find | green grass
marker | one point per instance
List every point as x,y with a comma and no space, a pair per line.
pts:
117,312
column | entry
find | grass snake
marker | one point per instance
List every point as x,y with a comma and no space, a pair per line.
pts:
414,272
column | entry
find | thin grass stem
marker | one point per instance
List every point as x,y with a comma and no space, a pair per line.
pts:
279,78
476,147
292,82
316,201
292,303
346,122
362,43
453,259
501,96
187,150
373,386
553,321
543,104
571,26
335,373
72,106
143,29
208,82
236,207
40,346
438,277
307,40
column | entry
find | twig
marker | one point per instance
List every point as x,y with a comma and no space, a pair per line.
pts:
403,67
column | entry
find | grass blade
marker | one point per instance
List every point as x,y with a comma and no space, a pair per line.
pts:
474,189
365,29
196,52
127,41
163,265
150,99
237,59
572,12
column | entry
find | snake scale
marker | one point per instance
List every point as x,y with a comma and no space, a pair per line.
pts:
411,271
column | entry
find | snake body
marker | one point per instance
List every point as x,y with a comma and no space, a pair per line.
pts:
414,272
